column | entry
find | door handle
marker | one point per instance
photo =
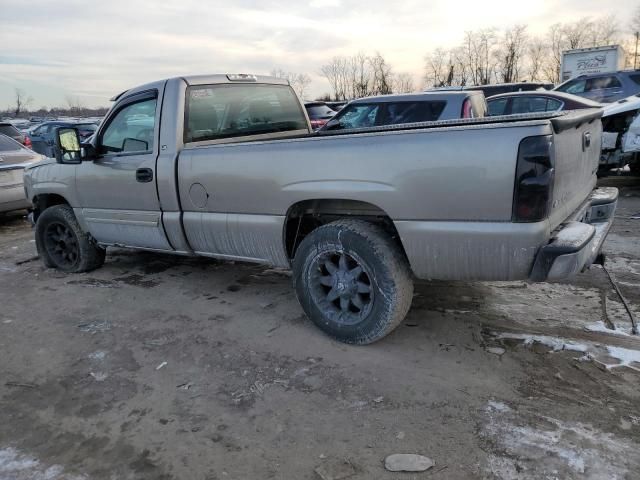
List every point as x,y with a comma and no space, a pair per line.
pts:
144,175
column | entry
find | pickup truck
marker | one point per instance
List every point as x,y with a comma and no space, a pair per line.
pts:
227,166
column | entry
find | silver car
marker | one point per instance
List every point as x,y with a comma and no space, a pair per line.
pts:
13,158
408,108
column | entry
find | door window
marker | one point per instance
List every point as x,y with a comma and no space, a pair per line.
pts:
356,116
528,104
498,106
411,112
574,87
600,83
131,129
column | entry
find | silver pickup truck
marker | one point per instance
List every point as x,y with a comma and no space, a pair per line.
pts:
227,166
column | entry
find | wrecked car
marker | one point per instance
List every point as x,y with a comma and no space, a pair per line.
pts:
227,166
621,135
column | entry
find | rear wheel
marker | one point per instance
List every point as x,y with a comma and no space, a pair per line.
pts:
63,245
352,281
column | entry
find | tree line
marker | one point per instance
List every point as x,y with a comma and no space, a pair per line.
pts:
22,107
484,56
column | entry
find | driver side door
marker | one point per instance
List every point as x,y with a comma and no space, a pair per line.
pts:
117,191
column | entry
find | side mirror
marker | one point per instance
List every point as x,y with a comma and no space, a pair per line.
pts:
68,149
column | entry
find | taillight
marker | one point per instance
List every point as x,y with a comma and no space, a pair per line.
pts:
534,180
315,124
27,142
466,109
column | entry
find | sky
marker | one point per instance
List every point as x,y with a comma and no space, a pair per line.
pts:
92,50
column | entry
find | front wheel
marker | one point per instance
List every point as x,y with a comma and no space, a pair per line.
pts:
63,245
353,281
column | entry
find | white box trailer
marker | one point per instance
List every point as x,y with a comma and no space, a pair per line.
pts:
583,61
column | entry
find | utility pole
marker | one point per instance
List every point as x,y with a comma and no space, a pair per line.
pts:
635,57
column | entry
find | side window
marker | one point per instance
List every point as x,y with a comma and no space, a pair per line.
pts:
497,106
357,116
215,112
635,78
412,112
553,104
574,87
600,83
131,130
528,104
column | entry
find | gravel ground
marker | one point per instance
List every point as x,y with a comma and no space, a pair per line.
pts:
160,367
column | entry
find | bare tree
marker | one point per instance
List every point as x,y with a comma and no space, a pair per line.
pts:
403,83
361,75
604,31
536,56
436,68
22,101
337,74
477,50
299,81
382,82
510,53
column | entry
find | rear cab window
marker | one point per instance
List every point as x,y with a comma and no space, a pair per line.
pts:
225,112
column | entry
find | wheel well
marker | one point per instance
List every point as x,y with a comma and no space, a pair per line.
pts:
44,201
305,216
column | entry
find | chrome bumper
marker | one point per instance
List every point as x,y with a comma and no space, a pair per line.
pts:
577,244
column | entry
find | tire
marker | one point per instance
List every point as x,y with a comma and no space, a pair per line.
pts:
63,245
352,281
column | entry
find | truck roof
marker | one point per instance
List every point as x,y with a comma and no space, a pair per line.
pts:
216,78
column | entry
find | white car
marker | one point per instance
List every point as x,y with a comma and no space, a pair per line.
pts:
621,135
13,159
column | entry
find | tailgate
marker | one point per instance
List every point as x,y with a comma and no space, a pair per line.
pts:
576,152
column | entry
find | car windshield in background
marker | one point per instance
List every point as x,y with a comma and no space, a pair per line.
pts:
9,145
216,112
320,111
362,115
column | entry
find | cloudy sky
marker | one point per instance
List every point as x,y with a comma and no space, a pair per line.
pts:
94,49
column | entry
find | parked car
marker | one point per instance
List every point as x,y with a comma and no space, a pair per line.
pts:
42,136
497,88
10,130
408,108
319,113
537,101
621,135
603,87
336,106
13,158
232,170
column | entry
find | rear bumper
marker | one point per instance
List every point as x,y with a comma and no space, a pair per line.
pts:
576,245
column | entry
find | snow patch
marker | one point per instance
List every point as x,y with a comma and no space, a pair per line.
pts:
626,357
555,343
535,446
15,465
601,327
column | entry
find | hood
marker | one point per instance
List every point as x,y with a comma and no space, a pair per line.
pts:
621,106
43,161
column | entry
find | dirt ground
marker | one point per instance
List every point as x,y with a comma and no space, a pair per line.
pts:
160,367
